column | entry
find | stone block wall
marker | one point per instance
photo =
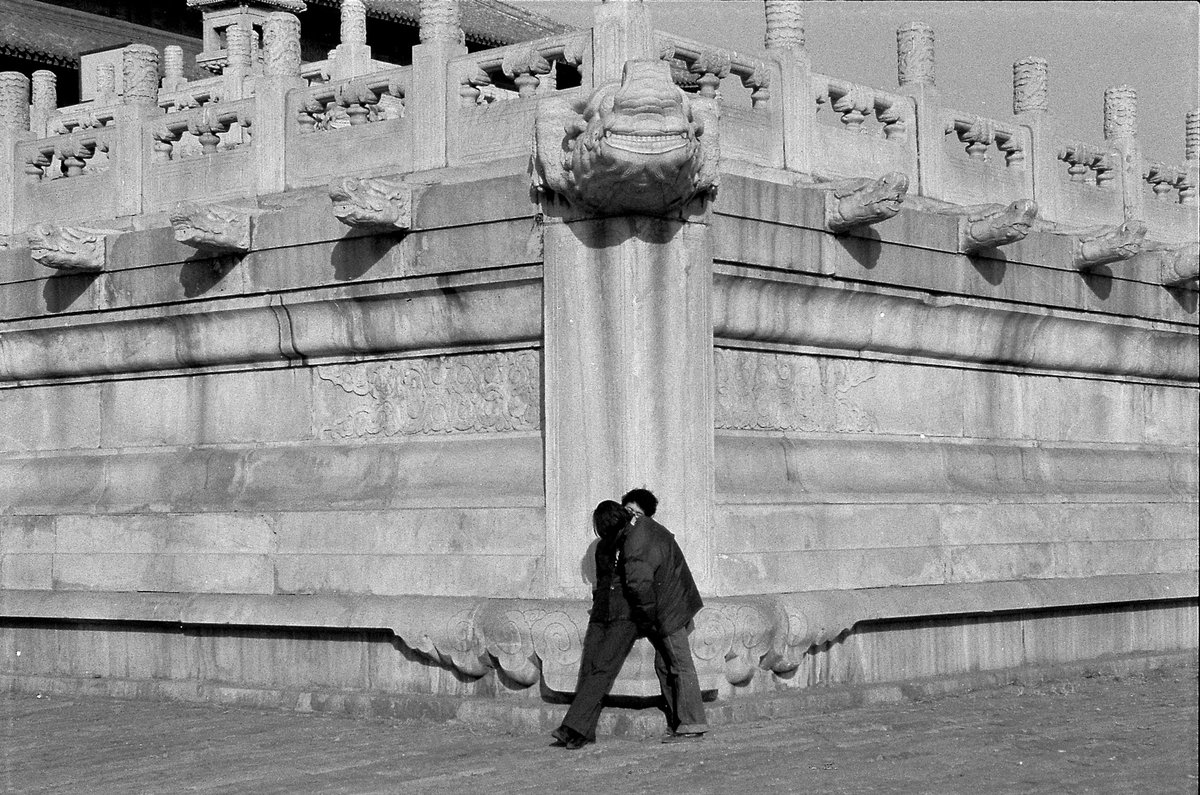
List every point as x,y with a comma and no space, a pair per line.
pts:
328,414
890,412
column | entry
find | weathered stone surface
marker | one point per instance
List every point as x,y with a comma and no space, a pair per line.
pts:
778,308
238,407
503,471
59,417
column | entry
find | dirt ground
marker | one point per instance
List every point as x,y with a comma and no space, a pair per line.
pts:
1104,733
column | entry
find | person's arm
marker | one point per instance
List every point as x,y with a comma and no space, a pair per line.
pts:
641,561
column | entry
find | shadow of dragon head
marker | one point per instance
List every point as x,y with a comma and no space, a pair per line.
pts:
638,146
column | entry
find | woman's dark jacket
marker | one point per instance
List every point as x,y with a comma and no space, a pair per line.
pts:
661,591
609,602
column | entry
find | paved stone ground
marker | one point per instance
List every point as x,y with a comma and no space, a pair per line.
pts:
1102,733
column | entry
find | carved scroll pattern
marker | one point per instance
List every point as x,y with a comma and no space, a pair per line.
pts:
784,392
532,639
469,393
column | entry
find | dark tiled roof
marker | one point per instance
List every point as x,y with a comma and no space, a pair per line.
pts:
483,21
489,22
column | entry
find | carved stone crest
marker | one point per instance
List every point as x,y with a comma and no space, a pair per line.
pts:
213,227
372,202
858,202
638,146
69,248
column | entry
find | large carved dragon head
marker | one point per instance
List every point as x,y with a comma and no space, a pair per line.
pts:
638,146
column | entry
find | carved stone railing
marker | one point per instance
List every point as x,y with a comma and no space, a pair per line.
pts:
984,160
201,152
349,127
1087,182
498,91
742,83
1169,202
204,140
861,131
67,176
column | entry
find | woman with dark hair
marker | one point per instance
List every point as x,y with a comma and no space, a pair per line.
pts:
610,631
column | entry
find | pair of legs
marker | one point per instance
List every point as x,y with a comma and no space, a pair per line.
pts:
605,647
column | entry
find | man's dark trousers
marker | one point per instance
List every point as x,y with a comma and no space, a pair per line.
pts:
678,681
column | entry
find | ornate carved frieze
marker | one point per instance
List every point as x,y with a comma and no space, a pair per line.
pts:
858,202
530,640
787,392
213,227
985,226
69,248
466,393
638,146
1104,245
372,202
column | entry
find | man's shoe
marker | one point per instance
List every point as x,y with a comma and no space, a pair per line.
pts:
683,737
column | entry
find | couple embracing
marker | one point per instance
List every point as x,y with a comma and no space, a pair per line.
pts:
643,589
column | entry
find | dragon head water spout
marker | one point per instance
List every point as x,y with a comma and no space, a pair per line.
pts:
638,146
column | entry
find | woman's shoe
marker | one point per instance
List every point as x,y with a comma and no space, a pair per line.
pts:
570,739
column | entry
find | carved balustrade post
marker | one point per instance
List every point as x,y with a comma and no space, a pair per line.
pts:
106,84
621,32
281,45
1031,106
352,56
785,45
281,74
434,93
45,100
139,65
1031,86
172,67
14,127
1191,153
915,72
139,105
239,60
1120,131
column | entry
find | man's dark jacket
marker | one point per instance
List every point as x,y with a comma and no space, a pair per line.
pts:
661,590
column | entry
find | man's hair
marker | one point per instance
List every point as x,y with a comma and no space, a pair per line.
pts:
643,498
608,519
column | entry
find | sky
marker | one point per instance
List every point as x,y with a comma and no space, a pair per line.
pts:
1149,46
